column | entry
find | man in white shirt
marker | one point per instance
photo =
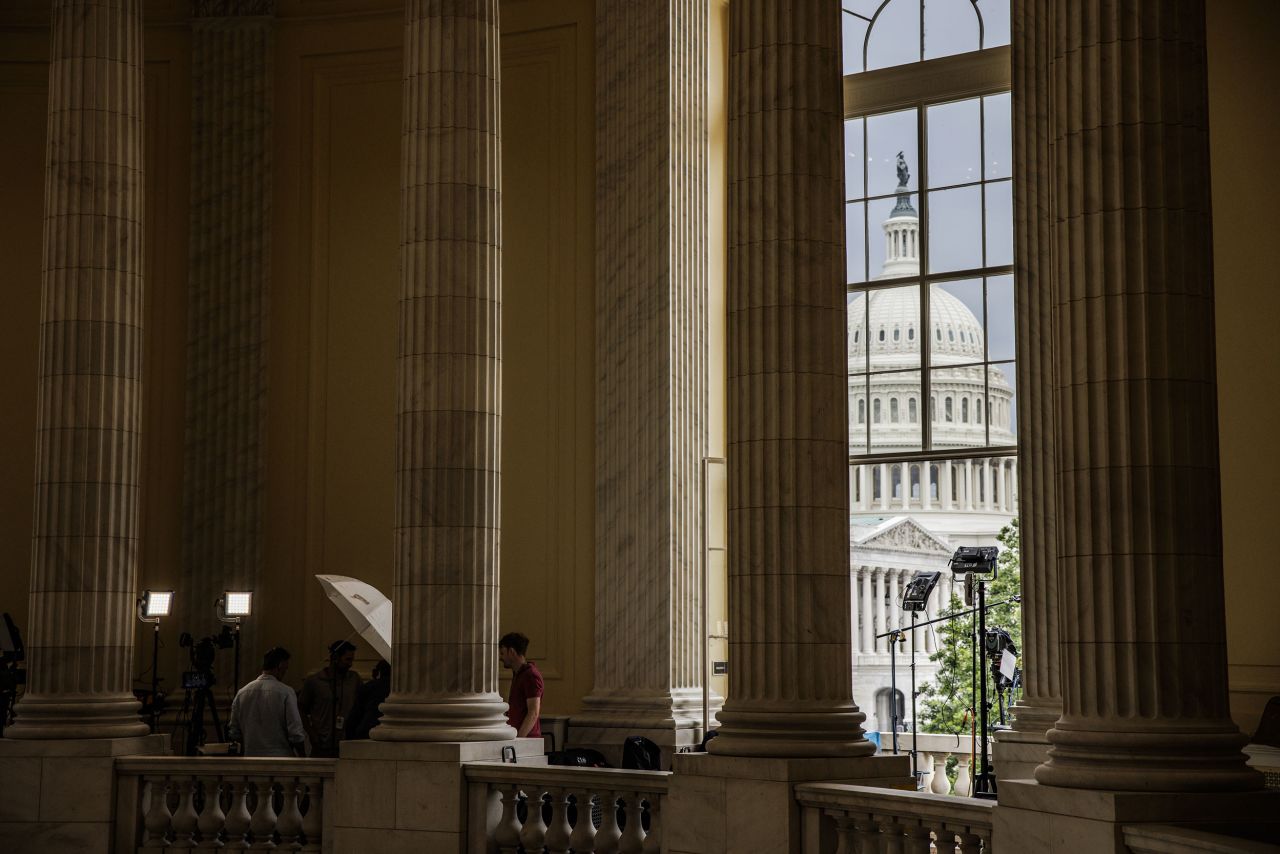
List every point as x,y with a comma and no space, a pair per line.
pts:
264,714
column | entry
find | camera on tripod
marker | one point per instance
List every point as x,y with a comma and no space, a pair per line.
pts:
202,654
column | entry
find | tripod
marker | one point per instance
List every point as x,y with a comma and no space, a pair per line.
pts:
195,701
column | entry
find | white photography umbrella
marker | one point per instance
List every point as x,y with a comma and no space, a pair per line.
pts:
364,606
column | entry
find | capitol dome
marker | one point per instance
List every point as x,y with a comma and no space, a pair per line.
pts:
970,404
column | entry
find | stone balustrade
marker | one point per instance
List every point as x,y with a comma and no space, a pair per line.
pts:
935,752
213,802
838,817
529,809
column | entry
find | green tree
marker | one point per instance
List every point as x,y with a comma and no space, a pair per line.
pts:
945,701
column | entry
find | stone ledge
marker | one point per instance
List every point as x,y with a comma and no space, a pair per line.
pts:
439,751
840,769
142,745
1125,807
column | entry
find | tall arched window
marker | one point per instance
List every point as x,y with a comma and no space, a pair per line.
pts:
964,410
893,410
875,410
911,410
862,410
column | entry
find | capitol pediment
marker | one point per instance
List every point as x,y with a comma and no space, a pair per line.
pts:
903,534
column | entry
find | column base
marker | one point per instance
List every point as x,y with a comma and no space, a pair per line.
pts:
472,717
59,795
813,732
1036,819
673,721
1018,751
61,718
397,797
730,804
1206,760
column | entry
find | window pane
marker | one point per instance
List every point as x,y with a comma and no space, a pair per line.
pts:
955,229
955,312
995,22
895,37
950,26
892,393
888,134
854,31
1002,409
999,223
857,313
933,485
858,414
853,160
955,424
893,237
855,214
999,138
1000,323
893,322
955,143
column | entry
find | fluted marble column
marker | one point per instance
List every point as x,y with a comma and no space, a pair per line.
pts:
877,608
228,277
445,571
886,488
651,374
84,557
1142,636
790,679
1041,700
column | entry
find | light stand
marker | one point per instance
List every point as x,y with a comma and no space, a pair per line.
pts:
234,606
976,564
915,598
153,605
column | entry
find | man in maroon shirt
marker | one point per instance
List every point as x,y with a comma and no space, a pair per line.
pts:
524,702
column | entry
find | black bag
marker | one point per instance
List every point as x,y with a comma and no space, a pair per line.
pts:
578,757
641,754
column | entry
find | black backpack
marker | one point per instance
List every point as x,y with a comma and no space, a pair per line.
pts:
641,754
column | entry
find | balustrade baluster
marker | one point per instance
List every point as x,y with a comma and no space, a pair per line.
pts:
558,834
846,833
924,776
211,817
289,824
583,838
313,818
940,785
653,841
632,841
945,842
963,779
185,818
868,835
263,823
534,833
237,823
157,820
609,835
891,836
916,839
507,833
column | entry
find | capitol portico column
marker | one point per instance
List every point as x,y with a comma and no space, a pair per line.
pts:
1142,625
886,488
84,558
446,558
926,485
969,492
944,483
790,675
864,479
877,606
867,621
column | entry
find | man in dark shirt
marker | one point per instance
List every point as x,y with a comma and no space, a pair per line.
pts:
326,699
524,702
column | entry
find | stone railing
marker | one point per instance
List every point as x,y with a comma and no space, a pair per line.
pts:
841,817
935,750
529,809
213,802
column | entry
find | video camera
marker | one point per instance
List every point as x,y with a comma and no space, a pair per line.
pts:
202,654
